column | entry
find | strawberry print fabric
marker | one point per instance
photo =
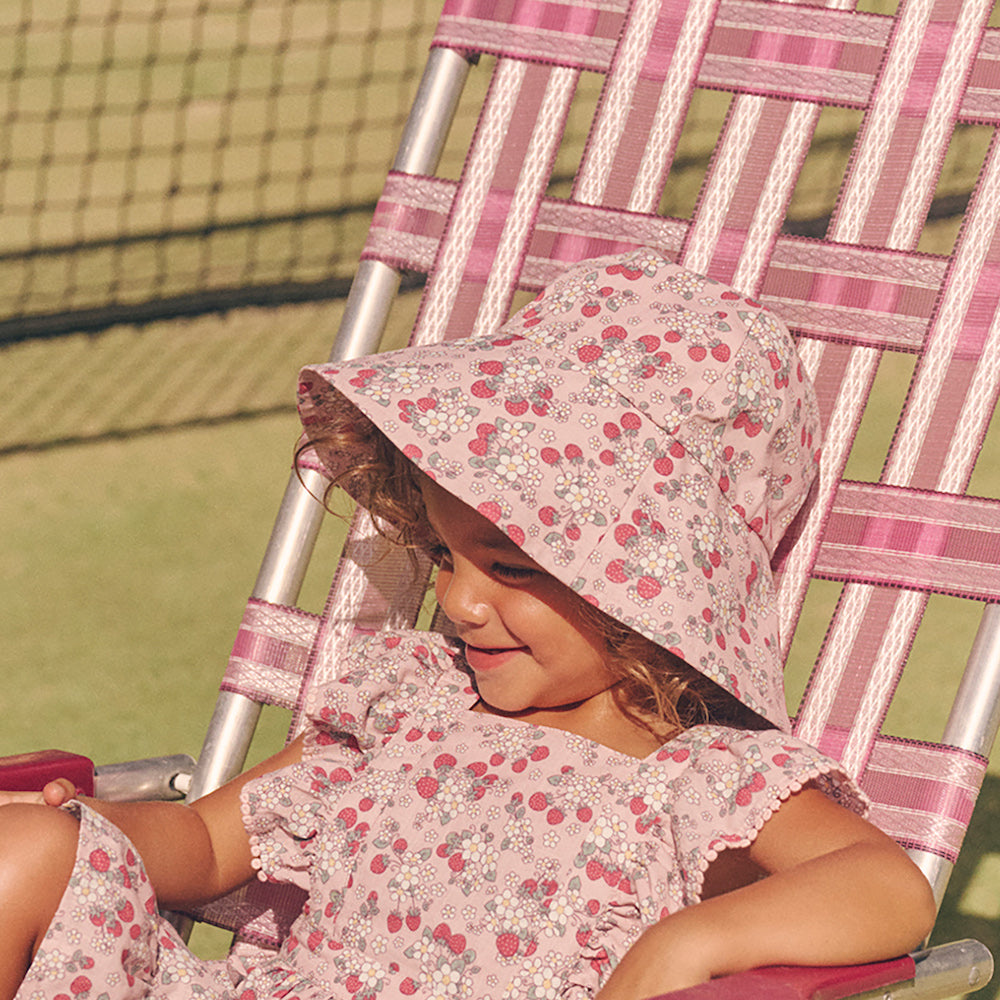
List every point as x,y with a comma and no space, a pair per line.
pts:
446,853
642,432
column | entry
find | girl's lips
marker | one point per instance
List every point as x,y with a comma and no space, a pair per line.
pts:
481,659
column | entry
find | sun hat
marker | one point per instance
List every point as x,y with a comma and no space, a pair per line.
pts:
644,433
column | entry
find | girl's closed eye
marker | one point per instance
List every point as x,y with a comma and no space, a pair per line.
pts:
514,574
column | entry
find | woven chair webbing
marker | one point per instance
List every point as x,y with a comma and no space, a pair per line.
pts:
863,289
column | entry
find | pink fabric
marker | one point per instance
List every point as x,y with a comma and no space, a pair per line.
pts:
801,983
440,845
643,433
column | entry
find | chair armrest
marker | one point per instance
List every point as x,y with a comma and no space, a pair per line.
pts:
155,778
30,772
937,973
149,779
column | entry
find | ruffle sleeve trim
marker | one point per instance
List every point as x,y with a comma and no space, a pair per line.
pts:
381,678
734,782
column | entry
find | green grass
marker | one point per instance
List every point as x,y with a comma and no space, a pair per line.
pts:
126,565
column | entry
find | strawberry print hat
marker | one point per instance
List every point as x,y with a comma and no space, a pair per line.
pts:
644,433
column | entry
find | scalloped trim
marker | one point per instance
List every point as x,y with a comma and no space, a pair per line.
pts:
254,839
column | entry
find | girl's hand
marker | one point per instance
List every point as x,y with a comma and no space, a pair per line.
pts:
55,793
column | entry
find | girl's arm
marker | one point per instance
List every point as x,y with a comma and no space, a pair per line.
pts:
192,853
838,891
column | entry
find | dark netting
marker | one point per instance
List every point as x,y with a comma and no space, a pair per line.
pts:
185,187
169,157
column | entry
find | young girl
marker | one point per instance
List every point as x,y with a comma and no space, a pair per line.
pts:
529,810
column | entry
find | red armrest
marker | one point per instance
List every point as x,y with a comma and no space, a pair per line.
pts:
29,772
782,982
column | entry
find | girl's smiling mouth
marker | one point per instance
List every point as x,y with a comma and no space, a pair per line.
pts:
482,658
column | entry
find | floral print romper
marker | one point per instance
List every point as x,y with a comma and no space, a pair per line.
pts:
446,853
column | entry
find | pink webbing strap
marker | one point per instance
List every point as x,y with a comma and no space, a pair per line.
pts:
581,33
271,653
898,537
923,794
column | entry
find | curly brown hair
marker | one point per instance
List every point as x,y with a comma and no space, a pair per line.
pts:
654,687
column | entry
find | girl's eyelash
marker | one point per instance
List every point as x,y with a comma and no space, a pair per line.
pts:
512,572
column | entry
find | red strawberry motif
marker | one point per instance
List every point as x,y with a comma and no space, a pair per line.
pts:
594,870
721,352
516,407
481,390
615,572
538,801
479,446
589,353
554,817
490,509
99,860
584,814
445,760
478,768
539,753
625,532
394,922
697,353
412,920
427,786
408,987
547,515
631,421
590,309
507,944
647,587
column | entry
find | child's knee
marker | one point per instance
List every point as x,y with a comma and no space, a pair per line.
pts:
37,852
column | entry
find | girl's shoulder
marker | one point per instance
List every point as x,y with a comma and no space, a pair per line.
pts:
383,676
736,768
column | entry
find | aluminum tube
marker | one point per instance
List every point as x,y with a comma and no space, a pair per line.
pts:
431,114
293,537
375,284
947,971
227,743
975,713
154,778
367,309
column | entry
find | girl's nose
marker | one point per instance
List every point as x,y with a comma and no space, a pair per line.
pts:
460,590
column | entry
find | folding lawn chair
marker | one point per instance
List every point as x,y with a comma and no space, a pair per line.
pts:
861,290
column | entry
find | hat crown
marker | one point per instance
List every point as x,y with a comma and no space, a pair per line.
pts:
642,432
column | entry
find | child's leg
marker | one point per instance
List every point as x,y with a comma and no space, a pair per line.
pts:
37,852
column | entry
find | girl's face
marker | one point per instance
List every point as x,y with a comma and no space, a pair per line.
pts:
532,655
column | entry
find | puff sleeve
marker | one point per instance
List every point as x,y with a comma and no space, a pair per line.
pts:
289,812
730,784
